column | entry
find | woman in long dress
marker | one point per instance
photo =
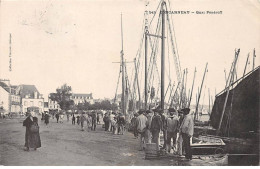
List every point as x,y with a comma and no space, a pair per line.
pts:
32,135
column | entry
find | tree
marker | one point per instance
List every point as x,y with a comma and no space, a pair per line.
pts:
63,97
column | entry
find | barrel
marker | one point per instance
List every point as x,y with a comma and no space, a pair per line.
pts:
151,151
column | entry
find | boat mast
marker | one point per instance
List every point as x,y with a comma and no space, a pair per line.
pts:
197,106
254,56
145,65
192,87
232,71
162,55
246,65
138,88
123,72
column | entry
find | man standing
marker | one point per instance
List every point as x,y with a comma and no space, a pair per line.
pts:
180,140
156,126
73,119
82,119
121,123
186,129
172,128
142,123
111,118
94,120
149,115
106,121
57,117
163,117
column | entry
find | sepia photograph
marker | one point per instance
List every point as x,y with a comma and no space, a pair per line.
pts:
129,82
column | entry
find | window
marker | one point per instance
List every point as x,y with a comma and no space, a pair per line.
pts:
25,103
31,103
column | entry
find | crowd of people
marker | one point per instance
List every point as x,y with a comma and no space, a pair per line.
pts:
114,122
176,127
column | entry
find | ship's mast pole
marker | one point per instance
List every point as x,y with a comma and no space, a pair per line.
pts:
192,87
162,55
145,65
123,72
137,81
254,59
230,82
246,65
199,94
209,101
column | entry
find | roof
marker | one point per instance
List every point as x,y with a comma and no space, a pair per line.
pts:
28,90
4,86
82,95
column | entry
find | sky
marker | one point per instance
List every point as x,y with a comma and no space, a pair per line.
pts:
76,42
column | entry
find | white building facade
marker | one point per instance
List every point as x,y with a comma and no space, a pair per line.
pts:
82,98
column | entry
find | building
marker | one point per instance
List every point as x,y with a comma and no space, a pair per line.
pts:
9,99
31,99
15,100
4,100
53,105
46,107
81,98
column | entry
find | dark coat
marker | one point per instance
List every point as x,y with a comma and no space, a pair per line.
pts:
32,139
156,123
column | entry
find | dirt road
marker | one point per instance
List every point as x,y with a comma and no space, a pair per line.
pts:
64,144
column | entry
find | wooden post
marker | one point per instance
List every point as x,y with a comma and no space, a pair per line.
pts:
138,88
254,56
123,72
162,55
197,106
192,87
230,81
246,65
145,72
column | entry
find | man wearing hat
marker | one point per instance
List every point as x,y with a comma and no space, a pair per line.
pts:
156,127
180,140
142,124
149,115
171,128
186,129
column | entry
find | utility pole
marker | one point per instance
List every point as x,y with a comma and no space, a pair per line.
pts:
163,55
197,106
